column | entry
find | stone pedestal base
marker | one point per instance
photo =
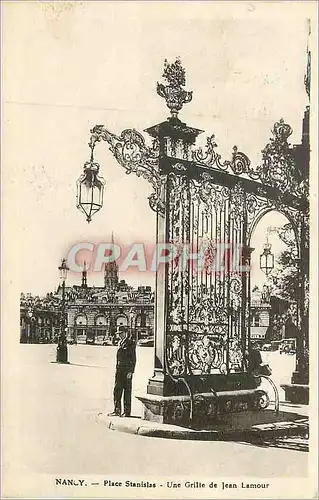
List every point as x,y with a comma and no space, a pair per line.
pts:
296,393
201,410
298,390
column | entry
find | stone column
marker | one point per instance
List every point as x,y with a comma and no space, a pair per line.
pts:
156,383
298,390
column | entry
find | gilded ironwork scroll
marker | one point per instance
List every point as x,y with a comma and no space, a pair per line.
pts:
132,153
278,168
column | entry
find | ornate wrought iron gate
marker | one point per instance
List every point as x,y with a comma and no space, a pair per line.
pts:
202,313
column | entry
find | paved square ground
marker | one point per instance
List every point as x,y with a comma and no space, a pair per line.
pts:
51,423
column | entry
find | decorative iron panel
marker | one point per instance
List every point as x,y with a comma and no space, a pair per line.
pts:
205,302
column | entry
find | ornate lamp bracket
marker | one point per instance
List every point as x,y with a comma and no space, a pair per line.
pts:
134,156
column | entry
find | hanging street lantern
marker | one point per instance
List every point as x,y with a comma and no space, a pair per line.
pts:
267,259
90,187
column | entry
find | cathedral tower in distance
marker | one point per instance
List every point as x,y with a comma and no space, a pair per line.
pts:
111,273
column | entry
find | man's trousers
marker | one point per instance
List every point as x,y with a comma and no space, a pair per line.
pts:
123,382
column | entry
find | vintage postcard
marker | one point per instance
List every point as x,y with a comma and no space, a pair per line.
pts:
159,257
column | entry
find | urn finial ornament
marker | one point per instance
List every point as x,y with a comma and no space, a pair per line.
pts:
173,93
282,131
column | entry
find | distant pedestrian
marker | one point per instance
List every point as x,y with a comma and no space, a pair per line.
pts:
254,360
255,364
125,366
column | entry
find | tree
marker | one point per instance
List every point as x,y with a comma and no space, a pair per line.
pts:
286,277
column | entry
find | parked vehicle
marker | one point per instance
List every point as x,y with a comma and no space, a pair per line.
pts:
90,341
267,347
276,345
288,346
107,342
273,346
147,342
257,345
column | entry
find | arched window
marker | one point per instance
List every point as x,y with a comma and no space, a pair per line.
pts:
141,319
100,320
81,320
100,329
121,321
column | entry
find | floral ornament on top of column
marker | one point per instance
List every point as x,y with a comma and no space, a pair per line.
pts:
173,93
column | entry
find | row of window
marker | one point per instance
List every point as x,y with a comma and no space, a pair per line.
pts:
139,320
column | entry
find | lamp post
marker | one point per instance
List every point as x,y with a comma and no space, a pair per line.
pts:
30,322
131,323
62,348
267,259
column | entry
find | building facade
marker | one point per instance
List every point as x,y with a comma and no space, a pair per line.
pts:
260,317
39,318
96,314
271,317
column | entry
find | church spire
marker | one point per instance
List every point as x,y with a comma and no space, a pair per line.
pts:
84,276
111,272
308,70
307,81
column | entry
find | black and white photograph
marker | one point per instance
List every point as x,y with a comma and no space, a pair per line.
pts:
159,249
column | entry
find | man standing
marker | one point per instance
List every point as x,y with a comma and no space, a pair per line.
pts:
125,365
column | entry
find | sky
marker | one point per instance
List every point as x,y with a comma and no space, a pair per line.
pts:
69,66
